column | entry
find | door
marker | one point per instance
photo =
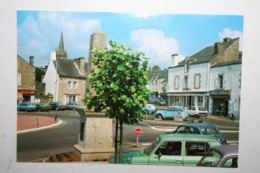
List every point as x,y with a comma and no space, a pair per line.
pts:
168,153
194,152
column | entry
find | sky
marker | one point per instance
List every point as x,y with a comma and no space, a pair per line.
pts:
157,35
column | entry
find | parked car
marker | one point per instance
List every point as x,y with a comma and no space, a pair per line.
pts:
202,129
225,156
26,106
42,106
149,108
72,106
197,111
161,102
172,112
57,106
171,149
152,99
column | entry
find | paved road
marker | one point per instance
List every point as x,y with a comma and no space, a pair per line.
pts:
41,144
47,142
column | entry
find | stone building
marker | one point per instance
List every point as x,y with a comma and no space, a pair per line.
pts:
209,78
25,80
65,78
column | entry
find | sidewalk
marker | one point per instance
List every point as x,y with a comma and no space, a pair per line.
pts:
27,123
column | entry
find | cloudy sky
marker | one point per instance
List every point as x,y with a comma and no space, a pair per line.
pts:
157,35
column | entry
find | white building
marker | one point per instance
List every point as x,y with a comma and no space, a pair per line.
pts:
209,78
65,78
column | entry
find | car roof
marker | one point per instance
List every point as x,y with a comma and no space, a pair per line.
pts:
198,125
194,137
225,150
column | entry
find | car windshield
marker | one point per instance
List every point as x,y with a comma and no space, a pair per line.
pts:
150,148
211,159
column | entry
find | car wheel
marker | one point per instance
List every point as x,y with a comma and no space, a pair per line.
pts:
160,117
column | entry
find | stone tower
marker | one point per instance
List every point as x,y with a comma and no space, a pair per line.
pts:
61,53
98,41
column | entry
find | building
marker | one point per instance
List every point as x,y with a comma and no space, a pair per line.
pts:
158,82
65,78
209,78
25,80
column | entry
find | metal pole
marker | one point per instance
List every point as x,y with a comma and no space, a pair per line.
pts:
137,141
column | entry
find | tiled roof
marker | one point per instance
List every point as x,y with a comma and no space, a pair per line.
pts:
67,68
206,54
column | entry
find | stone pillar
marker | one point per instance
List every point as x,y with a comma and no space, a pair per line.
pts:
95,140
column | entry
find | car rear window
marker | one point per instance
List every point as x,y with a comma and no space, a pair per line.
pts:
202,109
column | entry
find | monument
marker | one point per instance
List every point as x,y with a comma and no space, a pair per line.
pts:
95,140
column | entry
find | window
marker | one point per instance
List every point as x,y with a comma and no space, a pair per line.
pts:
196,148
220,81
186,81
72,84
186,66
69,84
72,99
75,85
231,162
19,79
170,148
200,101
176,82
197,81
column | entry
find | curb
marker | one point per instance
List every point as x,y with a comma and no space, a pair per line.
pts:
40,128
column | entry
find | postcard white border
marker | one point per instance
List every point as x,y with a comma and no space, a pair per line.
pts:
249,121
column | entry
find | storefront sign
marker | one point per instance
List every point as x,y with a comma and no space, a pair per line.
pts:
27,92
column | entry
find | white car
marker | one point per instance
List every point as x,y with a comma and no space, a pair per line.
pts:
197,111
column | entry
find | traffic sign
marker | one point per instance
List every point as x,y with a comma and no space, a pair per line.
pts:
138,132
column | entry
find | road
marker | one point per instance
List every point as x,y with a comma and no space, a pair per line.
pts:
44,143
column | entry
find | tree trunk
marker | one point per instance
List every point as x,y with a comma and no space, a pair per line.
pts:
121,140
115,140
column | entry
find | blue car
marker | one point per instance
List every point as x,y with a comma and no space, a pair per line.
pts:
172,112
26,106
202,129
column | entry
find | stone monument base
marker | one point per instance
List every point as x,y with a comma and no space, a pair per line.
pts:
94,154
95,140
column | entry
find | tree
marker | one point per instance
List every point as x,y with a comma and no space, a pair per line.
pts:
119,82
39,73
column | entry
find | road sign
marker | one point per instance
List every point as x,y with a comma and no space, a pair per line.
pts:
138,132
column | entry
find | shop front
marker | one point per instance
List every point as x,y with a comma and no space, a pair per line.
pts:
25,96
220,102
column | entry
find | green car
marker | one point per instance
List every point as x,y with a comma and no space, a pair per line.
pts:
171,149
42,106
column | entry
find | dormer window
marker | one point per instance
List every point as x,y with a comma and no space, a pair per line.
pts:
186,66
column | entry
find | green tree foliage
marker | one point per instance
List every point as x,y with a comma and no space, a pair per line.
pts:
39,73
119,82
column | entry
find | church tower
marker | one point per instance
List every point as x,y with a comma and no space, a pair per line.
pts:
61,53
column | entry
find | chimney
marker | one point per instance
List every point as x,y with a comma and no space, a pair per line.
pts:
175,59
225,40
80,62
31,60
219,48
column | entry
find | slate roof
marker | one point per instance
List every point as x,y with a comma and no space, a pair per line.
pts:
205,55
67,68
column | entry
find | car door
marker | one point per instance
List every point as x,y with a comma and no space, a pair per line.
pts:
169,113
194,150
166,156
